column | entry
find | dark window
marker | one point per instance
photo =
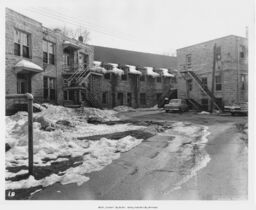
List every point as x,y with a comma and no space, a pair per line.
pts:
142,78
124,77
143,99
129,99
204,103
158,96
243,81
218,84
16,49
48,52
120,98
218,53
49,88
188,61
65,95
242,51
104,97
219,102
107,76
159,79
21,44
189,84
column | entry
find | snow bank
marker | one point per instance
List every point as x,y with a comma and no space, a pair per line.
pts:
98,155
204,112
166,73
115,70
123,109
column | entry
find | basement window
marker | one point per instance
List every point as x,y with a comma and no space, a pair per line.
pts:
218,84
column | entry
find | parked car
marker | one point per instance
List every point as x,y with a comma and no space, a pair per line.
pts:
241,108
176,105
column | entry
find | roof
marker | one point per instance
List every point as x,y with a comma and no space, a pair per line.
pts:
134,58
212,40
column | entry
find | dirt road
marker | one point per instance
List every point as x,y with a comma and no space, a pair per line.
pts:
151,171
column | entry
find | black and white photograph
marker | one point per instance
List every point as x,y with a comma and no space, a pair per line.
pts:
128,100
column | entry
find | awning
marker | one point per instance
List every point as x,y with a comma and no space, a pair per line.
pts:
24,66
97,67
133,70
68,44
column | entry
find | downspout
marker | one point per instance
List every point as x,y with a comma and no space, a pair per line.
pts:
238,73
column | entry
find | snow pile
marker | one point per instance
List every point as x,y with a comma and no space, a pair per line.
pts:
204,112
97,67
166,73
133,70
103,115
123,109
150,72
98,155
115,70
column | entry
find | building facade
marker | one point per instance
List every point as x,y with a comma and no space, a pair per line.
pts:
38,60
61,70
228,57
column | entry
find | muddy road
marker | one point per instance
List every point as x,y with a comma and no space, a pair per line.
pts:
211,166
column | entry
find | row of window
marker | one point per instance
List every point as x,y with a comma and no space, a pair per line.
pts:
120,98
22,47
124,77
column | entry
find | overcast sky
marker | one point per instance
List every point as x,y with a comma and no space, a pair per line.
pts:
156,26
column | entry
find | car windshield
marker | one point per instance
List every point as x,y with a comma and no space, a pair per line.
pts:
175,101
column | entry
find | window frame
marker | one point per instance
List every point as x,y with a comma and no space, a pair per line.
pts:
218,84
50,57
188,61
19,41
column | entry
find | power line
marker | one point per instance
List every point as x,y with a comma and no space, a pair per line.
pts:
75,23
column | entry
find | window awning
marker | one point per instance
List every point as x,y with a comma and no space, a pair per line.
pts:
150,72
166,73
133,70
27,66
68,44
115,70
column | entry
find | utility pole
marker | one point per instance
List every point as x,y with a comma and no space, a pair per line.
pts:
213,76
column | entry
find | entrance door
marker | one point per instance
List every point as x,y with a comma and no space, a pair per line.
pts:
23,83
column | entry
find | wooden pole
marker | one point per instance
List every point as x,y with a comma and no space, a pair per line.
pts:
213,77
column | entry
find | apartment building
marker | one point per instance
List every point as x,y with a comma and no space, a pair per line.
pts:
60,70
133,78
39,60
225,59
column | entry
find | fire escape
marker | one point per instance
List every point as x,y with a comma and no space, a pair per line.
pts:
76,79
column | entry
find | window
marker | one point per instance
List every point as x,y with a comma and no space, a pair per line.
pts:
204,102
218,84
107,76
143,99
188,61
159,79
158,96
21,44
218,53
242,51
243,81
120,98
65,93
124,76
48,52
49,88
142,78
104,97
189,84
129,99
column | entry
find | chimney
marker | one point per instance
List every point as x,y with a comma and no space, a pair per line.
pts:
80,39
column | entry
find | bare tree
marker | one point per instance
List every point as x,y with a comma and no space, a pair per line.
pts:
69,32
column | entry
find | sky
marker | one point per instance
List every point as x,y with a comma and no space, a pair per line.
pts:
155,26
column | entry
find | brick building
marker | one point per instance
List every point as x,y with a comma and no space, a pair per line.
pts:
231,71
144,79
38,60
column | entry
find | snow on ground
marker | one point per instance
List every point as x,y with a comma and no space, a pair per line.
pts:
123,109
